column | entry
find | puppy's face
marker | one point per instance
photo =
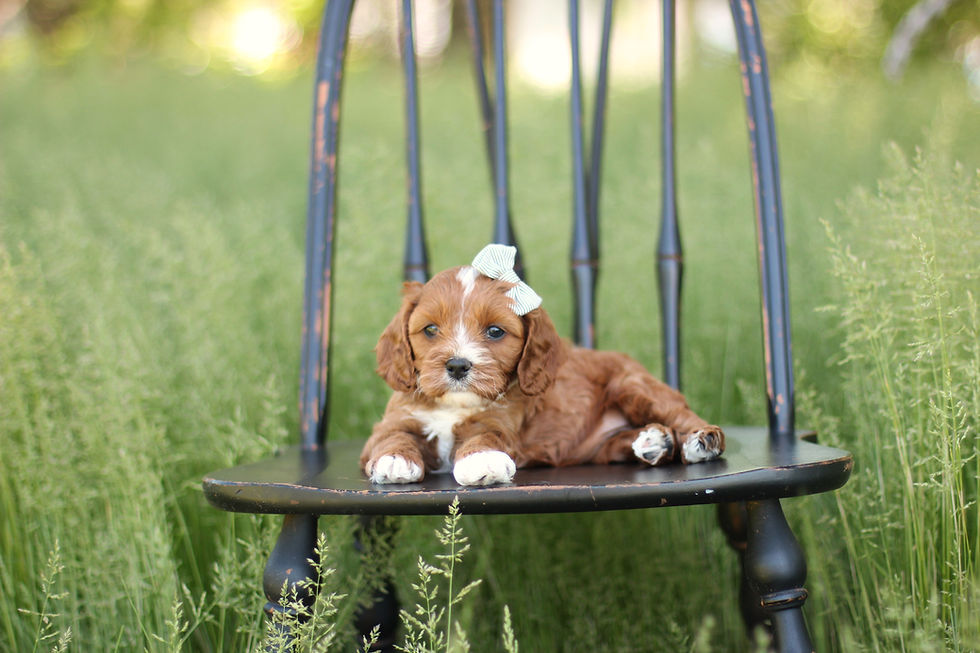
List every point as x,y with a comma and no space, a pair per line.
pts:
464,335
459,333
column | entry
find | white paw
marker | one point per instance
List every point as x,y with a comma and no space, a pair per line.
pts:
654,446
394,469
701,446
484,468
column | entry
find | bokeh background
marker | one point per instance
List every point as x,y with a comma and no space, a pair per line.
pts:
153,174
276,38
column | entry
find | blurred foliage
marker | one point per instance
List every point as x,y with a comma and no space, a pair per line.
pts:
195,33
839,31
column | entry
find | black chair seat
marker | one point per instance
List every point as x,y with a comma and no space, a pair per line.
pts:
330,482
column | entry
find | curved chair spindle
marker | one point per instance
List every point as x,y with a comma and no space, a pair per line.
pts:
416,266
585,180
321,215
769,220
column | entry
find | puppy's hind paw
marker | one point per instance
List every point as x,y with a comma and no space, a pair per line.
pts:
484,468
703,445
655,445
394,469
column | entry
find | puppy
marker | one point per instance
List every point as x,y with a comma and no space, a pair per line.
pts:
483,385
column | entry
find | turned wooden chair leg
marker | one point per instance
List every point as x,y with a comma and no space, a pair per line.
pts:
383,609
289,565
776,570
733,519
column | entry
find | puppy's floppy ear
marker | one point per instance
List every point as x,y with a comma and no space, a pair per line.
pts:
543,354
395,360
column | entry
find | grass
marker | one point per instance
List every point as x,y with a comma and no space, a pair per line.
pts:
911,348
151,232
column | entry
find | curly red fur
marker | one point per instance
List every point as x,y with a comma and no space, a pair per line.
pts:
527,393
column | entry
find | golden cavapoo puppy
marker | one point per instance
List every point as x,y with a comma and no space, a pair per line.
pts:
483,385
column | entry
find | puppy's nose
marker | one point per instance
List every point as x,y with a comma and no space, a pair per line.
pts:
458,367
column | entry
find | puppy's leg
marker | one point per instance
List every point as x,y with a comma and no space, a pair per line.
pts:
396,456
701,444
655,444
484,453
648,401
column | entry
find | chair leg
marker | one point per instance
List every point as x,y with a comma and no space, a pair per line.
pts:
375,535
733,519
288,566
776,570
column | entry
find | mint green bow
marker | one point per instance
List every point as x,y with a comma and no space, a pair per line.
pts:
497,262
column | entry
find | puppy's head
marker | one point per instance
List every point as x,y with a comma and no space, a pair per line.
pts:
459,333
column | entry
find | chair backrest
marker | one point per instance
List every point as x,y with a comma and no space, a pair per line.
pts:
315,361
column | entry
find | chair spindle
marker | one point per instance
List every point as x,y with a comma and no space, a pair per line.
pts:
494,115
474,28
321,214
586,178
503,230
416,266
670,263
598,127
769,221
584,265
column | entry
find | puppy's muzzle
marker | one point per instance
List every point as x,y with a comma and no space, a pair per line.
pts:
458,368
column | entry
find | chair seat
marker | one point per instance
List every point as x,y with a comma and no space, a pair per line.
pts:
301,482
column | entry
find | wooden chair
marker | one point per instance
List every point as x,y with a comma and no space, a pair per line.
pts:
761,464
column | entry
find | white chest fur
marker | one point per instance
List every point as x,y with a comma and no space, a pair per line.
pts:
438,421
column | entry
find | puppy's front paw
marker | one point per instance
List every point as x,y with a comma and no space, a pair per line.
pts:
484,468
654,445
394,469
703,444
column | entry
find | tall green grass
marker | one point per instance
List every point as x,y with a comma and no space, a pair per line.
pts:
151,232
908,522
127,353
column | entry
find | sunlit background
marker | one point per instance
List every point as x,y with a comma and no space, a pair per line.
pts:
273,38
154,161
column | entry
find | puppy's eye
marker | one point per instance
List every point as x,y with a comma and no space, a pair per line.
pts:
494,332
431,331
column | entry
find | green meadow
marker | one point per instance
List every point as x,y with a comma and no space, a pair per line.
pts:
151,262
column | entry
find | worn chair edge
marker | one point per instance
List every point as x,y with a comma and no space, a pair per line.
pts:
752,485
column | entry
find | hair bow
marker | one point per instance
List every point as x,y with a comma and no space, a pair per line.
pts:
497,262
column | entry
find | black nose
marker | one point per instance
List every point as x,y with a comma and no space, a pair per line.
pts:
458,367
